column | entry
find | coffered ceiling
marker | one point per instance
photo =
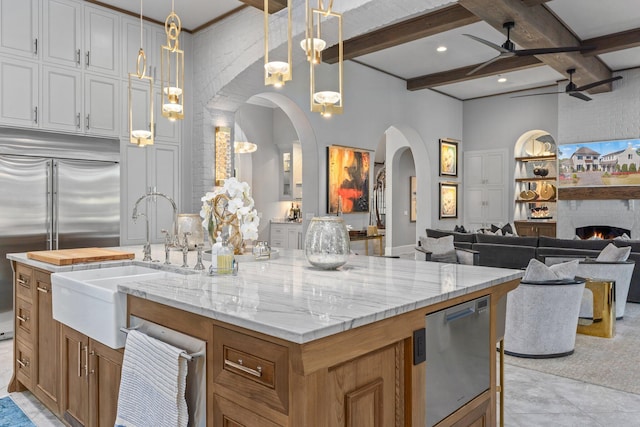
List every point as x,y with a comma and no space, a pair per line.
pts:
407,49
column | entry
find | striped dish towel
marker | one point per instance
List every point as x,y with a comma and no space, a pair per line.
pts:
152,388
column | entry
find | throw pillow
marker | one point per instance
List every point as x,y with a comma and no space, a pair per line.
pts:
612,253
538,272
504,230
442,249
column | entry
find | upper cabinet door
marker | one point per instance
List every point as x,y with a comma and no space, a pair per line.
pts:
62,32
61,99
19,30
101,41
19,92
101,105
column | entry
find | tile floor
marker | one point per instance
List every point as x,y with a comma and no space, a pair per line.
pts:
532,399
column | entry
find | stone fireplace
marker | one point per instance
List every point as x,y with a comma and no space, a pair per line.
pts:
617,214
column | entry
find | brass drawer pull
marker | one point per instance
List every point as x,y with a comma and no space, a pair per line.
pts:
43,290
22,364
24,319
23,282
255,372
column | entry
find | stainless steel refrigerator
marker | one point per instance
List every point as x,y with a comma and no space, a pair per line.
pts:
68,199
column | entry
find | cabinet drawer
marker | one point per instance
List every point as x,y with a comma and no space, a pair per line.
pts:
277,231
24,282
277,243
23,320
254,368
24,356
228,414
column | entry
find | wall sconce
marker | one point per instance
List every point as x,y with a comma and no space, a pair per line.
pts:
172,69
276,73
141,136
325,102
223,154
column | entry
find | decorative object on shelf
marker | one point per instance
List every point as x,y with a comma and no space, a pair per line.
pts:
138,133
528,195
326,102
448,200
172,69
448,157
547,191
540,212
276,73
327,244
348,179
223,154
262,250
540,171
230,209
191,223
413,209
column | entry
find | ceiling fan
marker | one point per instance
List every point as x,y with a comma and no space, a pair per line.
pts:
508,49
573,90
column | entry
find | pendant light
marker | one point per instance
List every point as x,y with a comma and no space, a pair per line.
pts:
137,135
172,69
276,73
326,102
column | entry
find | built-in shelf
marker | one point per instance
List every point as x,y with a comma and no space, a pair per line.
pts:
536,158
599,193
546,178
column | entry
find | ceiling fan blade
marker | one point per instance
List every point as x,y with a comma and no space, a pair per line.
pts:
488,43
484,64
598,83
545,50
580,95
536,94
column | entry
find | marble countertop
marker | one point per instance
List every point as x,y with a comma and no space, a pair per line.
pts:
289,299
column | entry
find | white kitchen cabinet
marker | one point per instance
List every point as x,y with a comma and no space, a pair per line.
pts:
19,27
131,46
101,105
285,235
151,168
140,99
19,92
62,33
485,190
61,99
101,41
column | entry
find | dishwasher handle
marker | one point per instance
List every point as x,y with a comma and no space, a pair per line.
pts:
460,314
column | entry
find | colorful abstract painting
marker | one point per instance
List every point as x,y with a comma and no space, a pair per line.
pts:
348,180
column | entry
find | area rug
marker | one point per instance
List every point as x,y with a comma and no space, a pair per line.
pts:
609,362
11,415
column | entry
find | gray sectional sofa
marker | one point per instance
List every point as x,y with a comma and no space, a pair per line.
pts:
515,251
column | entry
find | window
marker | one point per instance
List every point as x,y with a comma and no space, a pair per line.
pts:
629,156
579,157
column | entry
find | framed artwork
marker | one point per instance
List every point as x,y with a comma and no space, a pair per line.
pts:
448,200
347,179
448,157
413,213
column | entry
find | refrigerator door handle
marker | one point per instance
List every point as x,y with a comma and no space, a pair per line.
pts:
55,205
48,205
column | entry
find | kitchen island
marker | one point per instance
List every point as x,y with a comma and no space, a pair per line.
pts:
291,345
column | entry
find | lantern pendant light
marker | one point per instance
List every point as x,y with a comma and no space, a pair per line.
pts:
325,102
172,69
276,73
137,135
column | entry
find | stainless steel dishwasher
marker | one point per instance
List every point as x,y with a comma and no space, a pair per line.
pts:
458,357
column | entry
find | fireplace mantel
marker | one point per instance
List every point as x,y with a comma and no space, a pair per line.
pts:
599,193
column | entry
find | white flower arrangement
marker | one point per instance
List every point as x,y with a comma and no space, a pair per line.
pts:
240,203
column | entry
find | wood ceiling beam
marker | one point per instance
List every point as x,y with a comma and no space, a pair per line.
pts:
537,27
460,74
613,42
416,28
274,5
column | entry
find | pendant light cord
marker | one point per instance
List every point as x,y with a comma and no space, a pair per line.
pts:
141,41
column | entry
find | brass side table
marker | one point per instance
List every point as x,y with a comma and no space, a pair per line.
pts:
604,309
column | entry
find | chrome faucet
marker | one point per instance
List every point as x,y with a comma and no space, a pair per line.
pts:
147,246
173,238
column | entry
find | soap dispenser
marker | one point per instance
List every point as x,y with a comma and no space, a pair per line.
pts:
225,259
215,249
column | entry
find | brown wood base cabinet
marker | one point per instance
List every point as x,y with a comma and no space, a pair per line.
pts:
536,228
90,380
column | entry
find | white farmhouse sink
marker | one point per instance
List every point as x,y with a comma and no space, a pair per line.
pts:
89,302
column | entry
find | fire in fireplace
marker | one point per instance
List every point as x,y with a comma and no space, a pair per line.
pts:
601,232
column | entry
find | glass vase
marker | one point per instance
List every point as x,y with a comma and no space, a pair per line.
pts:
326,244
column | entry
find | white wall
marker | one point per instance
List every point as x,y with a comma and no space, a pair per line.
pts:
404,231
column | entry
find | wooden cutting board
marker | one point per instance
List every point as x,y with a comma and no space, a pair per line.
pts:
75,256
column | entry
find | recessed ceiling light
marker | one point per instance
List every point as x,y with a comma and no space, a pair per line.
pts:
502,79
441,49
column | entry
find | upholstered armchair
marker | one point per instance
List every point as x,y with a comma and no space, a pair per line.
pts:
618,271
463,256
542,318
